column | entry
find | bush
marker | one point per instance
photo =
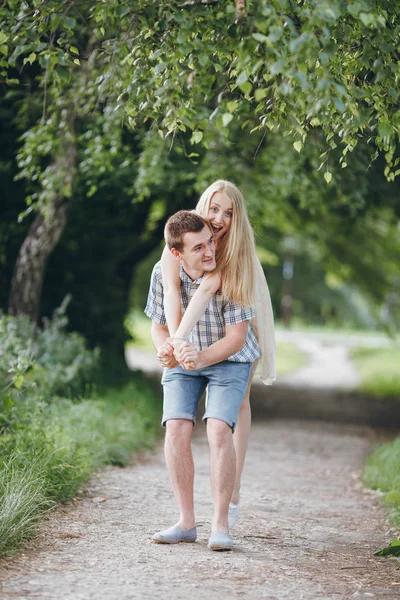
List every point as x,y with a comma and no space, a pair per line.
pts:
38,365
52,449
52,435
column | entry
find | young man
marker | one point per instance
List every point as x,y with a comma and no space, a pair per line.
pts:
222,347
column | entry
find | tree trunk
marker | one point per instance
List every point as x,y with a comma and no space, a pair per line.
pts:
43,236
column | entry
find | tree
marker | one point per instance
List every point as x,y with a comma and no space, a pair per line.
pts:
187,67
295,65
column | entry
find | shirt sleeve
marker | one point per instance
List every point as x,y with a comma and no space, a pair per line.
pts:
155,299
236,313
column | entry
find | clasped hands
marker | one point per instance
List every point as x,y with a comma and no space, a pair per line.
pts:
177,352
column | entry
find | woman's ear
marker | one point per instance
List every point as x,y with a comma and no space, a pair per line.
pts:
176,253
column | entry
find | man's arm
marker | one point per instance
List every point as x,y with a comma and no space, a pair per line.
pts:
234,340
159,335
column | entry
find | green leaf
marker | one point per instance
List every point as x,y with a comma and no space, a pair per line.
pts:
298,145
18,381
64,73
3,37
278,67
196,138
8,402
70,22
260,37
327,176
260,93
339,105
77,61
368,19
32,57
4,49
226,119
246,87
74,50
392,550
243,77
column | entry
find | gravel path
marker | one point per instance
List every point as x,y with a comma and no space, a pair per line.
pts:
307,530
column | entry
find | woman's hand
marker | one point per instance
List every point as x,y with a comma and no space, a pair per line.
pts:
186,354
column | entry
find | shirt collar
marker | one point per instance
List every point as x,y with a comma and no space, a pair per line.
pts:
185,277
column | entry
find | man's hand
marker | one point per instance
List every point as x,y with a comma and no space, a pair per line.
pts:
187,356
165,356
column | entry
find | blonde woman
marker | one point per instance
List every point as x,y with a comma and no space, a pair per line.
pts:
241,279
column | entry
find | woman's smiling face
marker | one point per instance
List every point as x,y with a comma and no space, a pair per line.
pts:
220,214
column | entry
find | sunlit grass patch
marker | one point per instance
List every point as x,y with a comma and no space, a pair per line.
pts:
379,369
382,472
289,358
22,502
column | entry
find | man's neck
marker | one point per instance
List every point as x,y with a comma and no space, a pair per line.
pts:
192,273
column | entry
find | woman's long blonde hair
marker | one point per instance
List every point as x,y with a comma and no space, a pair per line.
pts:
236,252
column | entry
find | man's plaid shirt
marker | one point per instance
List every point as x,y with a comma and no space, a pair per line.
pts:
211,326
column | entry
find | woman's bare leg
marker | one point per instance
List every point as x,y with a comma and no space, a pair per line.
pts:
240,439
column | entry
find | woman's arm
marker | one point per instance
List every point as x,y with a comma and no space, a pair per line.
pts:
171,284
172,304
198,304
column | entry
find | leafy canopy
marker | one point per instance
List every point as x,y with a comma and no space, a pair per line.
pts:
291,65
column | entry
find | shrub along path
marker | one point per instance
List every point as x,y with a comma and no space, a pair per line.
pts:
308,529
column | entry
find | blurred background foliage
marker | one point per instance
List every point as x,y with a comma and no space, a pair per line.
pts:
113,117
345,242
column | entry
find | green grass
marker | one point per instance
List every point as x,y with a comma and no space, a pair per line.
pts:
55,447
382,472
300,325
379,369
289,357
23,501
380,372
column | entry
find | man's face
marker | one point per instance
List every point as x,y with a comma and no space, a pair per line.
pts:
198,254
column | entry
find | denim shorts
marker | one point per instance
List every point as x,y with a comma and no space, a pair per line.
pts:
227,383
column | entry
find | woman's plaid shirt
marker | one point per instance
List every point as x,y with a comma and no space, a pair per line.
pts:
211,326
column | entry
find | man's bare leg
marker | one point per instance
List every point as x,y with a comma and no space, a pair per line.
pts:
222,471
179,460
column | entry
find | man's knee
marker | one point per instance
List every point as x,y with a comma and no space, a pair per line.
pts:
179,431
219,433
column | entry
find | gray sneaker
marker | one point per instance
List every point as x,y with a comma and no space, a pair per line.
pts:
220,541
233,514
174,535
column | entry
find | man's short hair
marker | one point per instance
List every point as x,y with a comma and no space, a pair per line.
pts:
184,221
